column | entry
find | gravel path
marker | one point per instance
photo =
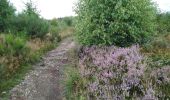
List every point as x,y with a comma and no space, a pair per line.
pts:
44,81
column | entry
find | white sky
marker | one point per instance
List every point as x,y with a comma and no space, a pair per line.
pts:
60,8
164,5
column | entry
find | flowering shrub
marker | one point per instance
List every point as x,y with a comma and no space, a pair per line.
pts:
161,79
114,73
161,75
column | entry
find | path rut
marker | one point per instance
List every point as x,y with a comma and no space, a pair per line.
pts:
44,81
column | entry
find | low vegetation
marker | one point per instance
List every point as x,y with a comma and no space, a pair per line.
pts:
159,50
29,21
24,38
124,54
104,72
17,55
113,72
124,50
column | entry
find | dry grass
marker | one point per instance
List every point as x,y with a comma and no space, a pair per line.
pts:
36,44
14,66
66,32
2,36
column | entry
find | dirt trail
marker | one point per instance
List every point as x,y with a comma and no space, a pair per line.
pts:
44,81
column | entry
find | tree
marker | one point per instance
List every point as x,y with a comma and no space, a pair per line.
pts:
31,9
115,22
54,22
6,14
30,22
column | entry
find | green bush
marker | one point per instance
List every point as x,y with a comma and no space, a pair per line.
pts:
13,45
53,22
158,50
115,22
6,14
13,52
30,22
36,56
16,59
66,21
163,21
158,42
54,32
36,27
74,84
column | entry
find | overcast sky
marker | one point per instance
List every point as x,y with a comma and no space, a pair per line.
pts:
60,8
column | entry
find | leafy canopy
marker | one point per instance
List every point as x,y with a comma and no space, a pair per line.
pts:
30,22
115,22
6,14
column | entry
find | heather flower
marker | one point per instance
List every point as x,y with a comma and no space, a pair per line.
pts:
115,73
107,74
161,75
93,87
150,94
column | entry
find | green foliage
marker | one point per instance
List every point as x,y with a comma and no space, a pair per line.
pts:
6,13
74,85
54,32
31,9
16,50
163,21
12,45
68,21
13,52
36,56
36,27
54,22
30,22
158,49
115,22
16,58
61,28
165,88
161,41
